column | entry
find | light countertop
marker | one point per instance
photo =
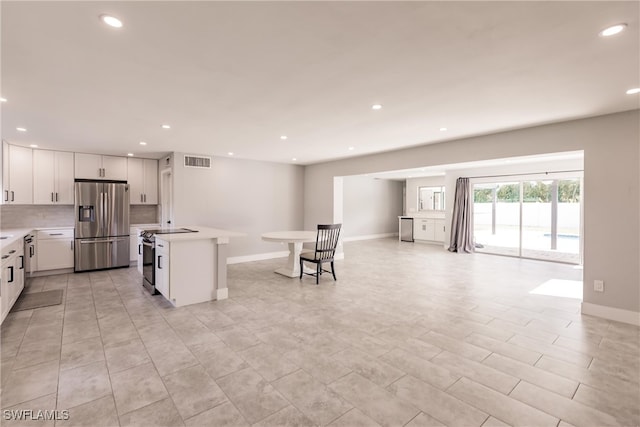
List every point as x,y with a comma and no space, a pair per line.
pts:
14,235
203,233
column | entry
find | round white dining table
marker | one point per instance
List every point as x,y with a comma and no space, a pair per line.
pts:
295,239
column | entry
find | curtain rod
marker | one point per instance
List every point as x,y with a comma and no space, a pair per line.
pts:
523,174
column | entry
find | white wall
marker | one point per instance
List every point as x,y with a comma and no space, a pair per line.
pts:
370,206
241,195
611,189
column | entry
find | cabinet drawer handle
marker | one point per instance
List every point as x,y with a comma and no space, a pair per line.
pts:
56,234
56,197
159,265
139,249
52,197
145,198
21,262
12,251
10,277
12,196
6,195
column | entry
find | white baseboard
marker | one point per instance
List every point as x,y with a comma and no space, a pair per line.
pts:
222,294
256,257
611,313
369,237
50,272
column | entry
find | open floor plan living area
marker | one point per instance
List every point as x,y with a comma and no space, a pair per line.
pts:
433,339
311,213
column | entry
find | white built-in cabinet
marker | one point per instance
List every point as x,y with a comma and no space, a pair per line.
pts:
11,277
53,177
54,248
430,229
143,181
17,174
162,267
95,166
47,177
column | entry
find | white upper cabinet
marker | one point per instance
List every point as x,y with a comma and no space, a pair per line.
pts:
150,182
94,166
143,181
114,168
52,177
17,174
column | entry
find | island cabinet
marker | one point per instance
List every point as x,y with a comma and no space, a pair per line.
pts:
163,264
191,268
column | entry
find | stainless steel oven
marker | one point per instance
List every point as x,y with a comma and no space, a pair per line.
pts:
148,264
149,255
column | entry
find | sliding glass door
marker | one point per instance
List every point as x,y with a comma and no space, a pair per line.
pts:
497,218
531,219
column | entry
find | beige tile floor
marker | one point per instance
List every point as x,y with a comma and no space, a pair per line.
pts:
409,335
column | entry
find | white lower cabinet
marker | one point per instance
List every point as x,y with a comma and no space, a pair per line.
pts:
55,249
12,276
162,267
430,229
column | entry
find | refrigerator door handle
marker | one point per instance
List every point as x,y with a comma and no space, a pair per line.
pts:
84,242
103,202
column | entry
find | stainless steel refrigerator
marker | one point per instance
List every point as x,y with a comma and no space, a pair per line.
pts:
102,225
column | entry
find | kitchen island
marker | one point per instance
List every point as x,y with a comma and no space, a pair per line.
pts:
192,267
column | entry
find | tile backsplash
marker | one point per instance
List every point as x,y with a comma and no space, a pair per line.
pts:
26,216
143,214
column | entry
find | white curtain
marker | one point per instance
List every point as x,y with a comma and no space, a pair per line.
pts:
462,220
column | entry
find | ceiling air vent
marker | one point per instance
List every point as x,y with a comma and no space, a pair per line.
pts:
197,162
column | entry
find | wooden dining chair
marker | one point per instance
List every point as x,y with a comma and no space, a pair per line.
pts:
326,243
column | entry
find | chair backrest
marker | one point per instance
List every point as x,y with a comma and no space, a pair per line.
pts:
327,240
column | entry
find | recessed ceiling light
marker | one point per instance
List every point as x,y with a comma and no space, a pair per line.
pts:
230,153
21,129
352,148
294,159
166,127
443,129
376,106
111,21
33,145
613,30
633,91
143,143
130,154
3,99
283,137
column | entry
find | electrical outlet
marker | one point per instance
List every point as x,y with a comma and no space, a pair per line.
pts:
598,285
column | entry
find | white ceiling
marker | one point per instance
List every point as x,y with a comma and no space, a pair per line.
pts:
235,76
